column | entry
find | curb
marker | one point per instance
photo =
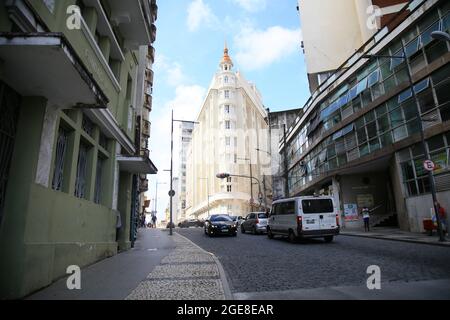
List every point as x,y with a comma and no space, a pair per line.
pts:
223,278
439,244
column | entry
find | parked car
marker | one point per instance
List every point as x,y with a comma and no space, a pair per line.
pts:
255,222
190,223
220,225
237,219
168,225
304,217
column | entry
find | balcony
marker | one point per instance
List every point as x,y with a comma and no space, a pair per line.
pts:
148,102
151,54
131,18
137,164
154,11
146,126
149,74
25,59
143,186
153,32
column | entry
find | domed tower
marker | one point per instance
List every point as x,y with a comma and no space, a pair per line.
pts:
231,125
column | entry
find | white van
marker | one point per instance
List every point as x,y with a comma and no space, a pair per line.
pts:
304,217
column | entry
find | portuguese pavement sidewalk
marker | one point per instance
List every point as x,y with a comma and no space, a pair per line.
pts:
159,267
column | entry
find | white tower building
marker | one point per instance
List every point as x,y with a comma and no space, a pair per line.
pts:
232,126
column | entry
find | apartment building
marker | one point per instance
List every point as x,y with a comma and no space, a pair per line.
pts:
73,134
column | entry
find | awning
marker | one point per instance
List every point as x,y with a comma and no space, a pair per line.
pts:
45,65
136,165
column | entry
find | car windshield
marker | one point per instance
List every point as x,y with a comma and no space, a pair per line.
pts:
221,218
262,216
317,206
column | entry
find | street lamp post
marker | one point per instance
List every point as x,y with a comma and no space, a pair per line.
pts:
422,134
172,192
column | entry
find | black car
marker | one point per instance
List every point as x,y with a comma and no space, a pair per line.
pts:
220,225
190,223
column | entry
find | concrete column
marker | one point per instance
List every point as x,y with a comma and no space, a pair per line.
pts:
337,199
22,176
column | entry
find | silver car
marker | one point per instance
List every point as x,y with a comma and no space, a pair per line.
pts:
255,222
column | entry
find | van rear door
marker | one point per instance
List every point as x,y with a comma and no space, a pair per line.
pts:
310,215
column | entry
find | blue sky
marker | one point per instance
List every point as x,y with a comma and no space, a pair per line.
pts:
263,37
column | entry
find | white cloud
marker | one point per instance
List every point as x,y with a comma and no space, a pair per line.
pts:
170,71
200,14
257,49
251,5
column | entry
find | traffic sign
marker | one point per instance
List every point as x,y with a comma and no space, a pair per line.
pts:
171,193
429,165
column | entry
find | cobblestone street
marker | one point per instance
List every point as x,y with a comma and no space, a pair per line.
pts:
257,264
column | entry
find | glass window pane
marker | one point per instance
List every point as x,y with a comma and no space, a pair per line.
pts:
396,117
374,145
386,139
443,93
436,50
435,143
377,90
370,116
364,150
412,47
413,127
402,76
372,130
400,133
362,135
408,171
426,101
381,110
417,150
426,36
405,95
412,188
383,123
374,77
409,110
390,84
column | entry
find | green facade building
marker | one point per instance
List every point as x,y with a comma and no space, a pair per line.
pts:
74,106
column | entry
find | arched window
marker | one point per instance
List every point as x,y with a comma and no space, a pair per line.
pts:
225,79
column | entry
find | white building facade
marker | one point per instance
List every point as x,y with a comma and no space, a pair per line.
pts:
186,129
232,125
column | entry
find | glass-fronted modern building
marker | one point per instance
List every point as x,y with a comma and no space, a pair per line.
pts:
359,136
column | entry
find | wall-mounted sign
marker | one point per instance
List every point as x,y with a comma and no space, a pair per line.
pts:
365,200
350,212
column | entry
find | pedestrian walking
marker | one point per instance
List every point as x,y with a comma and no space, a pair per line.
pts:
442,216
366,217
154,221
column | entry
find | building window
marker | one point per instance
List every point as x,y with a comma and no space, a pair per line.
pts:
98,181
227,124
227,141
80,184
229,189
229,179
227,108
61,147
227,94
225,79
